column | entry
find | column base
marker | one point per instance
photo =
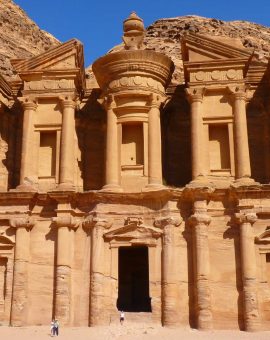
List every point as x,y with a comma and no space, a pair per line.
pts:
65,187
112,188
153,187
200,181
243,181
25,188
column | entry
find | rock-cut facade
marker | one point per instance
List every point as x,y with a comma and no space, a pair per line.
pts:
127,191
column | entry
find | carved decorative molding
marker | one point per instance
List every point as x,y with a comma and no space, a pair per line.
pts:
38,85
263,237
216,75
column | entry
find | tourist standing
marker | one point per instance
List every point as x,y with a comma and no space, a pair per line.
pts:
56,328
122,317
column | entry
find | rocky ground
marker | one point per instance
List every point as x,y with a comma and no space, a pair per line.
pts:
126,332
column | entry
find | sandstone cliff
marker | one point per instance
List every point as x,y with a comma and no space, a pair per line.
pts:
20,37
165,35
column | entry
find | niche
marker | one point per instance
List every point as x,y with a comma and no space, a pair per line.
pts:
47,154
132,146
219,150
267,255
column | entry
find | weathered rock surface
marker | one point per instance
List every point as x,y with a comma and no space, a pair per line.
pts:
165,35
20,37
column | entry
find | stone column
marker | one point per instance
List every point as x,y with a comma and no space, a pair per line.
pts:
154,144
200,221
63,296
97,312
170,296
248,269
241,134
19,305
197,136
66,175
29,107
112,167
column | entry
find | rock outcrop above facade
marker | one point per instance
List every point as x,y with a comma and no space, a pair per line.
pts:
165,36
20,37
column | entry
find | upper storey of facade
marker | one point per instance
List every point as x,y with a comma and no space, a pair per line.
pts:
129,129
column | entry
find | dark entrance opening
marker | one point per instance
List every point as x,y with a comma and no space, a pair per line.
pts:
133,276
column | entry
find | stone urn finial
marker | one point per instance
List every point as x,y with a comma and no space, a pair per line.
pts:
133,32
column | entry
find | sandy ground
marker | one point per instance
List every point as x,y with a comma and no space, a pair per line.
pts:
125,332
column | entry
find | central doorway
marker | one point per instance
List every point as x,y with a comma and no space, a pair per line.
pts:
133,276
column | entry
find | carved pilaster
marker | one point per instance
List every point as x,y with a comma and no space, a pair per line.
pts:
28,179
200,222
112,166
98,227
248,269
154,142
195,96
19,307
171,309
63,294
66,175
239,96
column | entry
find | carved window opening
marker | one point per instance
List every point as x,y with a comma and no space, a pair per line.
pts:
133,274
219,149
47,154
132,149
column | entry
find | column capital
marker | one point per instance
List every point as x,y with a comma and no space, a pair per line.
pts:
28,103
65,221
155,100
67,102
249,217
195,94
162,222
238,92
92,222
26,222
197,219
108,102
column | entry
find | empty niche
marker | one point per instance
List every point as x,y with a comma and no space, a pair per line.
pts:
47,154
219,150
132,145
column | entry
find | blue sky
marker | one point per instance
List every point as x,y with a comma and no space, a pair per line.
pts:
98,23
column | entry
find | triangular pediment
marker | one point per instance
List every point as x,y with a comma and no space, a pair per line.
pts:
68,55
133,231
197,47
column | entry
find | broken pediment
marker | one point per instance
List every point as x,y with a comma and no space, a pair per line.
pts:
197,47
66,56
264,237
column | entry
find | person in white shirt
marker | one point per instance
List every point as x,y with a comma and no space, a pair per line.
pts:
122,317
